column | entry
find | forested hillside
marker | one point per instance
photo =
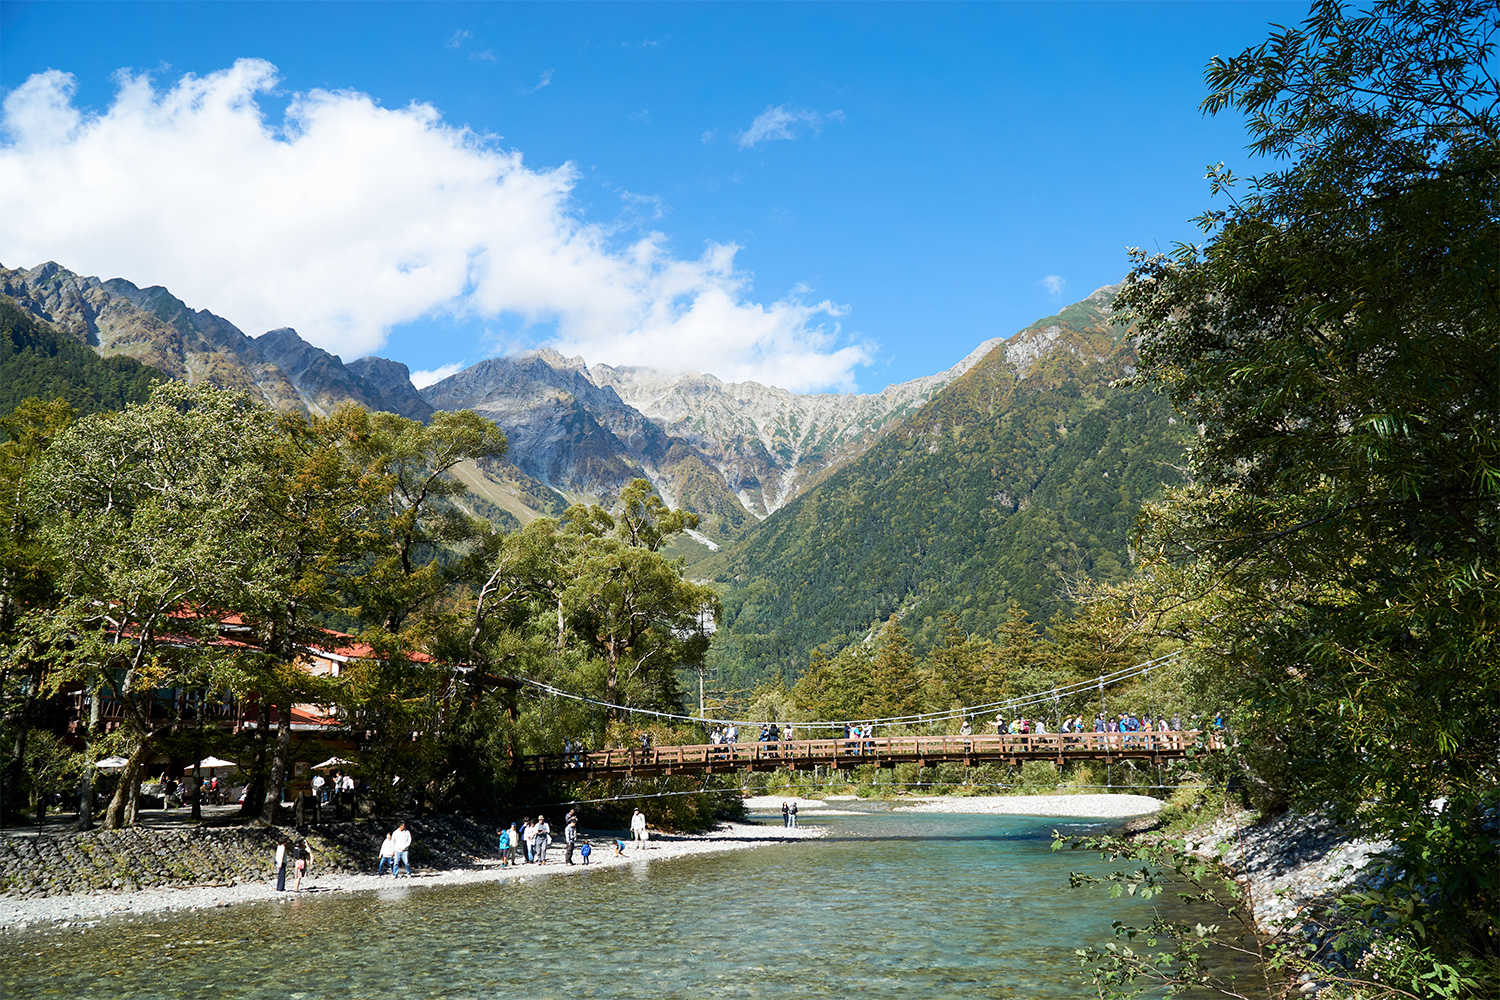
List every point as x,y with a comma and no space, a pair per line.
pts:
36,360
1021,476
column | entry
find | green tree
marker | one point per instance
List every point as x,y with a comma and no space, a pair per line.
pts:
834,687
313,525
25,582
1021,664
895,681
146,513
1334,560
418,547
630,604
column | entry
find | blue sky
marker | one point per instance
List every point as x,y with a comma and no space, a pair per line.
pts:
437,183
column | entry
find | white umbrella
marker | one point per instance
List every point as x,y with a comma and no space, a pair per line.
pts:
211,764
333,762
112,763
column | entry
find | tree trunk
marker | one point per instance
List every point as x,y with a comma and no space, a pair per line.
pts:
197,814
272,809
255,788
11,779
612,681
86,794
122,808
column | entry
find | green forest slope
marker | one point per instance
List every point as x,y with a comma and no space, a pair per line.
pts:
1024,474
37,360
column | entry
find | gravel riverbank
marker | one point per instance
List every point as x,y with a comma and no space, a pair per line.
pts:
84,909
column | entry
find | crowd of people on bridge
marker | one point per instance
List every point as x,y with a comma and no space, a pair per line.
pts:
1127,730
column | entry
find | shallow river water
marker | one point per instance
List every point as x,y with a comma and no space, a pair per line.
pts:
900,906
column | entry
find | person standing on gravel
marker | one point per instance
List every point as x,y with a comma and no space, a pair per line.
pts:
401,843
302,854
543,839
387,856
638,827
281,855
570,837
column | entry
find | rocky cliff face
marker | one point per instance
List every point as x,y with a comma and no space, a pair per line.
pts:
156,328
767,443
582,440
149,325
388,387
730,452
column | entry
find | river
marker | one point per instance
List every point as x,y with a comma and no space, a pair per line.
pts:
900,906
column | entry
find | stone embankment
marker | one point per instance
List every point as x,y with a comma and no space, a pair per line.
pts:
1288,865
133,859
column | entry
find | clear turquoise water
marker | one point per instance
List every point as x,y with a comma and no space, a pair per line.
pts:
905,907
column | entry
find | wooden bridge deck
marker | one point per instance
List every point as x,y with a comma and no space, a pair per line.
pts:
884,751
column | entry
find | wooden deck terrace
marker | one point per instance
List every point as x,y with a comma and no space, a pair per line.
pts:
883,751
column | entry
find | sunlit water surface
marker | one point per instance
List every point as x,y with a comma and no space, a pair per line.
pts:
906,907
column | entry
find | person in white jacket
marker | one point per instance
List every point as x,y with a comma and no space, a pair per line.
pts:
638,827
387,855
401,843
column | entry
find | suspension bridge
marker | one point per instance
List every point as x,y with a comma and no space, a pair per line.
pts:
1150,746
883,751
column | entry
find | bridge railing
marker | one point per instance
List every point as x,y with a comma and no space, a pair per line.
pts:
819,751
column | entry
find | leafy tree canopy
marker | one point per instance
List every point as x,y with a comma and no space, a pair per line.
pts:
1334,560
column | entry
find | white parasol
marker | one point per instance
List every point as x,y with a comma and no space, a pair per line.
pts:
212,764
333,762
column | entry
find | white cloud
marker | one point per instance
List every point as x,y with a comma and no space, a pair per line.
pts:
781,122
423,379
707,136
543,82
1054,284
343,218
457,39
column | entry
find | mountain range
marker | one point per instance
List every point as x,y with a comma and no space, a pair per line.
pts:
996,479
731,452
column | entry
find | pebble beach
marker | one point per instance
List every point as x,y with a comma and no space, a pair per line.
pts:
86,909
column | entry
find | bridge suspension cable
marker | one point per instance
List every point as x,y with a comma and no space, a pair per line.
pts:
796,790
1020,701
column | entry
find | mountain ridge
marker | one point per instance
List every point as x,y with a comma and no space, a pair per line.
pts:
1021,475
734,453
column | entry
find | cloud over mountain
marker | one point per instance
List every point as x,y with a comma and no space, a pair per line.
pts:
343,218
